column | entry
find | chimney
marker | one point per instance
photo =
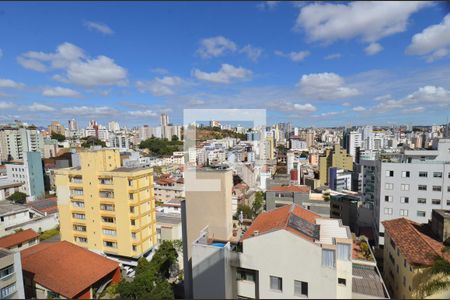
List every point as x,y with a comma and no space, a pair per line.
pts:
440,225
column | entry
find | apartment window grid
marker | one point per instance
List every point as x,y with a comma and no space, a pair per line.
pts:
81,239
423,174
437,174
108,219
300,288
7,291
79,216
110,232
405,174
448,202
389,173
421,213
81,228
403,212
437,188
436,201
388,211
5,272
276,283
107,207
404,199
422,187
388,186
404,187
78,204
388,198
421,201
110,244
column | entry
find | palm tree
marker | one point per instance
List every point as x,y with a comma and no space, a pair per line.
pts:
434,279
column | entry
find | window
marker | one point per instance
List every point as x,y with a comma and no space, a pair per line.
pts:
389,173
80,239
404,212
130,182
342,281
106,194
79,216
133,235
437,188
328,258
436,201
423,174
76,192
133,222
437,174
420,213
404,199
109,232
5,272
392,244
343,251
105,180
110,244
276,283
7,291
421,200
78,204
81,228
132,209
244,274
405,174
404,187
388,211
108,219
131,195
134,247
388,198
388,186
107,207
448,188
448,202
422,187
300,288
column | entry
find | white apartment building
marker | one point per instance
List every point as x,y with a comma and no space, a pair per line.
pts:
287,253
412,187
355,141
15,142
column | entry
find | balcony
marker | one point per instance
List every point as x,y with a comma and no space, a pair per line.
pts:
105,181
76,180
106,194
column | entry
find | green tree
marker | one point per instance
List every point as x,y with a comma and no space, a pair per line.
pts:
433,279
92,141
57,136
161,146
258,203
150,281
175,138
247,211
18,197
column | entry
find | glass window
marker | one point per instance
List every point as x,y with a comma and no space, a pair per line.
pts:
276,283
405,174
6,271
436,201
421,200
107,207
343,252
110,244
109,232
243,274
7,291
328,258
422,187
79,216
342,281
404,187
437,174
404,199
388,211
108,219
420,213
300,288
437,188
404,212
388,198
388,186
389,173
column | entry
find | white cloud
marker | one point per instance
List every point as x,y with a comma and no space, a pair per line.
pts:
143,113
79,69
346,104
89,110
252,52
373,49
325,86
329,114
268,5
370,21
60,92
6,105
11,84
359,108
160,86
215,46
226,74
333,56
38,107
414,110
291,107
432,42
160,71
430,94
99,27
304,107
294,56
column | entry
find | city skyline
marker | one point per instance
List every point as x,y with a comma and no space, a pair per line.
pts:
305,67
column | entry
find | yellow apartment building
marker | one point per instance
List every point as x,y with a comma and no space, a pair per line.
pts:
105,207
336,157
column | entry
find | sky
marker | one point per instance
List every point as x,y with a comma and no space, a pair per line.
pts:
311,64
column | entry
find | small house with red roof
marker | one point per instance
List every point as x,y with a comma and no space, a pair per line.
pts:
20,240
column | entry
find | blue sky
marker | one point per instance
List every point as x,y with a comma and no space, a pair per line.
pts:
313,64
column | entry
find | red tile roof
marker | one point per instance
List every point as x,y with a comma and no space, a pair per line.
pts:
15,239
277,219
415,241
290,188
65,268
